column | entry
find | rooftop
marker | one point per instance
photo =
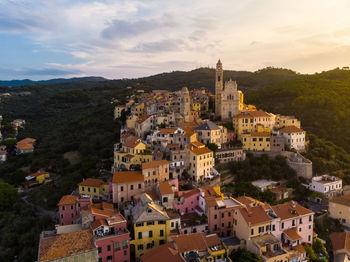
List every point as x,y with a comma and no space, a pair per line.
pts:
59,246
291,129
155,164
93,182
127,177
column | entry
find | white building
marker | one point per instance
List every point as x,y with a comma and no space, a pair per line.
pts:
263,184
294,137
329,186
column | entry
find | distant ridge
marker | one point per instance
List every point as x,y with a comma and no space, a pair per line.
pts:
24,82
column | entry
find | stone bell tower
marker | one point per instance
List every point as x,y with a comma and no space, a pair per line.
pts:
219,85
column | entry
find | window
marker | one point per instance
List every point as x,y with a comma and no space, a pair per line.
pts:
122,188
310,218
172,224
161,242
309,238
161,222
139,224
252,231
100,250
150,223
88,189
165,199
116,245
139,186
140,247
63,208
273,227
229,214
140,235
161,232
293,222
122,199
83,188
61,215
100,259
94,190
299,229
222,215
72,215
300,221
215,216
109,248
282,226
125,244
132,187
149,245
71,207
125,252
150,233
261,229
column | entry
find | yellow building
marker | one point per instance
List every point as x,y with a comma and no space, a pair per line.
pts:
339,208
196,106
133,153
139,109
151,225
201,161
250,121
95,188
284,121
41,176
256,141
131,121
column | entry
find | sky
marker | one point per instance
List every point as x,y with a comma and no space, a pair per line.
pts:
43,39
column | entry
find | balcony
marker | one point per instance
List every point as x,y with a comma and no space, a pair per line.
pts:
99,234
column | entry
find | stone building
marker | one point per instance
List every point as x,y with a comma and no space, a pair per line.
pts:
228,99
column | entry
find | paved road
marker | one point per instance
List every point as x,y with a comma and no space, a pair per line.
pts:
316,207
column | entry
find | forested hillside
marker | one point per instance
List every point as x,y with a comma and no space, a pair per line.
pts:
76,119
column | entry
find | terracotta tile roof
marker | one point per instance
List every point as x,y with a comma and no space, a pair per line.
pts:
249,201
211,201
241,115
259,113
93,182
290,210
132,142
24,146
68,200
165,188
27,140
198,144
209,191
166,131
127,177
143,118
195,242
300,249
97,223
200,151
340,241
152,193
292,234
254,215
162,253
190,193
129,156
155,164
39,173
291,129
60,246
260,134
342,200
106,212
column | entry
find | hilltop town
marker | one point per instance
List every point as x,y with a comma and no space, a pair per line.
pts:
164,199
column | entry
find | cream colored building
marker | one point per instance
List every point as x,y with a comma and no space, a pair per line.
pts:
143,125
118,111
339,208
208,132
228,99
201,160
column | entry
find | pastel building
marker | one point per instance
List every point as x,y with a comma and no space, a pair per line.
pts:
187,201
111,238
294,225
256,141
328,186
294,137
201,161
339,208
95,188
127,186
69,209
155,171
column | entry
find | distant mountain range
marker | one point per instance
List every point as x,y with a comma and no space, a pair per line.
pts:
24,82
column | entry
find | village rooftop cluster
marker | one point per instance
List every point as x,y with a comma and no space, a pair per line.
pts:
164,201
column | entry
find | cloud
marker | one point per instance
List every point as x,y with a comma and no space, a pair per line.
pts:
122,28
166,45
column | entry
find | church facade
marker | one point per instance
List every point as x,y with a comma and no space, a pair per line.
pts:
228,99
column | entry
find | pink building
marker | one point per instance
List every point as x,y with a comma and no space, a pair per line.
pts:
69,209
127,186
187,201
295,223
110,234
220,212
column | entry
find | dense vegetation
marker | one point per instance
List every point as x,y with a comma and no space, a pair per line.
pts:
72,122
320,101
19,227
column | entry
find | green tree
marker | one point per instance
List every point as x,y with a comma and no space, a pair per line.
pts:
244,256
